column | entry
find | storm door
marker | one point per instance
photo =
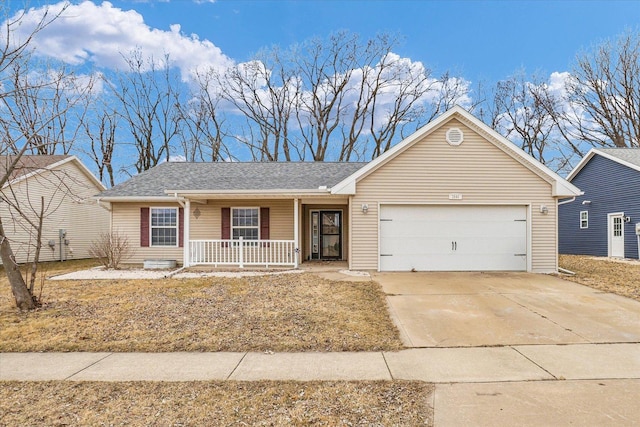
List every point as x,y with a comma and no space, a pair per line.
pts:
326,235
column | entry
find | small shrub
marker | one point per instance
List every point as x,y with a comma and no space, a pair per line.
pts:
110,249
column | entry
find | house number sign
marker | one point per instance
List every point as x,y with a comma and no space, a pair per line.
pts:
455,196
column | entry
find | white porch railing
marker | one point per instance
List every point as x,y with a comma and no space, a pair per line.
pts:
242,252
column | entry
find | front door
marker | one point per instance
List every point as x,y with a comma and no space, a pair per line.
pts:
326,235
616,235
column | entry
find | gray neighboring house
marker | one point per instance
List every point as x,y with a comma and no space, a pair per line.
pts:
455,195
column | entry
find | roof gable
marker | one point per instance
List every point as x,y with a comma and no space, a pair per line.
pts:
629,157
561,187
29,166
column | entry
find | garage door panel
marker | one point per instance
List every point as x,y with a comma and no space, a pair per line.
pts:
459,238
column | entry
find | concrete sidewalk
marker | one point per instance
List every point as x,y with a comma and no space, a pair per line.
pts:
436,365
532,385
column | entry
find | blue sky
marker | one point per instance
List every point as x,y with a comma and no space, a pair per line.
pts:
480,40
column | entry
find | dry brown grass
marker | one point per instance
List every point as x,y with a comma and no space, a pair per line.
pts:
216,403
296,312
622,278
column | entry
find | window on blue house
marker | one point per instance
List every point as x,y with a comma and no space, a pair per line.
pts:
584,219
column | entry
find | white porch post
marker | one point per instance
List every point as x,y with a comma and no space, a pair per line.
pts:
296,232
186,261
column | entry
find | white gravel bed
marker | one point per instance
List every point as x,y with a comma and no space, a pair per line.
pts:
100,273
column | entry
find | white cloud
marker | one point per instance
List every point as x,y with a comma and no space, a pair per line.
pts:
102,34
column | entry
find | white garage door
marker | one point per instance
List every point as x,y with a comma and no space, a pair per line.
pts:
453,238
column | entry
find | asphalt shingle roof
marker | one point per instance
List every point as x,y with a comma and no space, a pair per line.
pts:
629,155
230,176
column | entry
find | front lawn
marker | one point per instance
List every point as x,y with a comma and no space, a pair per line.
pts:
268,403
619,277
281,313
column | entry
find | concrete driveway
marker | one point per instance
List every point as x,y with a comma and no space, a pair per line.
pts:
498,309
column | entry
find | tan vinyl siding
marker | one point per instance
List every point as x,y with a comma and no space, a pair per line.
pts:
126,219
209,226
431,169
67,192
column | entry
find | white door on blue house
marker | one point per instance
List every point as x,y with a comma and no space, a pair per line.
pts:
616,235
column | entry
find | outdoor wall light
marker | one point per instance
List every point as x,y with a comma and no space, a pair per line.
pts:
365,208
544,210
196,213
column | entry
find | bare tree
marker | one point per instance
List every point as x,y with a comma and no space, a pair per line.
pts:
33,116
42,98
101,134
337,98
520,112
147,99
27,209
602,103
265,91
203,123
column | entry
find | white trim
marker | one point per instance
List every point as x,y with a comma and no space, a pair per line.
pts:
231,227
150,199
177,226
590,155
585,219
186,233
296,232
560,187
349,233
378,221
529,209
276,191
610,216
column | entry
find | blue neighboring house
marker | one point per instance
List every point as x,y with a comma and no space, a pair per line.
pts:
603,221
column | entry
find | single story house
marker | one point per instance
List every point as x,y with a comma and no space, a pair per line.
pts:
605,221
455,195
62,189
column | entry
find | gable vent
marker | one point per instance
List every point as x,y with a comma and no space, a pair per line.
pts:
455,136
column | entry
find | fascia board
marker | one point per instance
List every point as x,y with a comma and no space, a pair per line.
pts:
130,199
581,164
618,160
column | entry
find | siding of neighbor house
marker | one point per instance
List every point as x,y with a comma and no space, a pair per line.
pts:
126,220
77,214
611,187
431,169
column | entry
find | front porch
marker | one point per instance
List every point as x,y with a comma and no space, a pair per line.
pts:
243,253
265,233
